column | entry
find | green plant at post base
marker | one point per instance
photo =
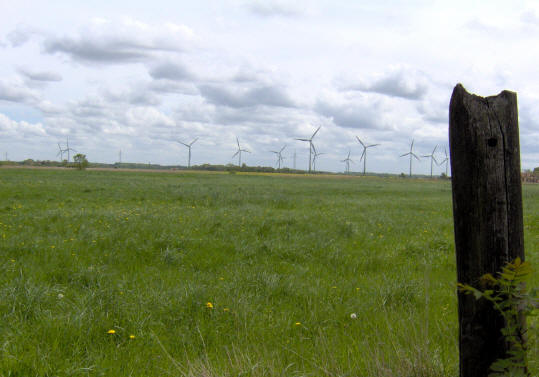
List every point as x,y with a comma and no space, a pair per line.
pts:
510,297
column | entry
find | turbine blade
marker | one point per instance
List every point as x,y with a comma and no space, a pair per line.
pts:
363,154
315,132
406,154
194,141
282,149
360,142
434,150
235,154
372,145
304,139
238,141
413,154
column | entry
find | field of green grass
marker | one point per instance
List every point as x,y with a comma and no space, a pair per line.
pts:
107,273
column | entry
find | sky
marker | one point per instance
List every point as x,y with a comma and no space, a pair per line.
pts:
138,76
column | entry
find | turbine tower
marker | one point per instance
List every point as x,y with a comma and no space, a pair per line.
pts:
310,146
432,159
315,156
412,154
68,149
189,146
364,154
280,157
238,152
347,160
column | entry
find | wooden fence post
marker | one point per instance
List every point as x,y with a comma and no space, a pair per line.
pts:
487,213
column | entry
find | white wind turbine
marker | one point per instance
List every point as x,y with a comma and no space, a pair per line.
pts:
364,154
60,153
432,159
238,152
347,160
445,160
315,156
280,157
68,149
189,147
311,146
412,154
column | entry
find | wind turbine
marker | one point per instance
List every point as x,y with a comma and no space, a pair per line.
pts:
445,160
189,146
315,156
310,146
412,154
238,152
68,149
347,160
60,153
280,157
432,158
364,154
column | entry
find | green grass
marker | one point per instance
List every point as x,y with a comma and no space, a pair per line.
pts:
143,253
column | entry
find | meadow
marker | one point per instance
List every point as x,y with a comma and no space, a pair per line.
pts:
109,273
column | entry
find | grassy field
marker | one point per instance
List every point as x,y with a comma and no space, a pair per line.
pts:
229,275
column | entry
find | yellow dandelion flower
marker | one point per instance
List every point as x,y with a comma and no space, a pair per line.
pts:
298,323
131,336
226,309
357,289
209,305
111,331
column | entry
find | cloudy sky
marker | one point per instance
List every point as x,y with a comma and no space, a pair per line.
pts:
138,76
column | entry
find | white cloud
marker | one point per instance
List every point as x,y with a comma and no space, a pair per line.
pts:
124,41
15,91
398,82
18,130
272,8
46,76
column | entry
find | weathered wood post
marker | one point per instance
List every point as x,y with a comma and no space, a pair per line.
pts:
487,212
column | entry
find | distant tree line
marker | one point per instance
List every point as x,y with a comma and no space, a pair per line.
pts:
82,163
